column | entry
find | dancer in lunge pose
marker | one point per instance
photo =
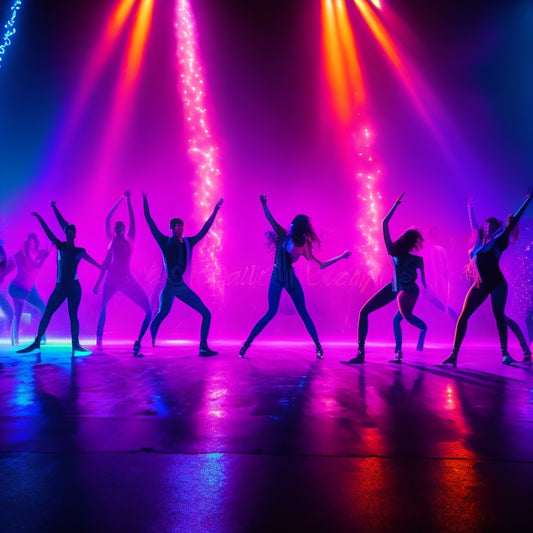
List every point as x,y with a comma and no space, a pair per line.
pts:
119,277
177,252
403,288
290,246
492,240
67,287
28,261
6,266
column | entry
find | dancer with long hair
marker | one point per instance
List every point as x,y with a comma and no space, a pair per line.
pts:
290,245
119,278
177,254
403,288
492,240
28,260
67,287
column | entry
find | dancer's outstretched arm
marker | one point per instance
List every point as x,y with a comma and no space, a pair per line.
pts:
308,253
131,231
105,266
62,222
385,223
108,230
520,211
46,229
89,259
208,223
474,226
278,229
158,236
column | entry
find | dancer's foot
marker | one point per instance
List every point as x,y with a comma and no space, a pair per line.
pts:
137,349
421,338
244,348
35,346
397,356
319,351
452,360
205,351
507,359
358,359
77,347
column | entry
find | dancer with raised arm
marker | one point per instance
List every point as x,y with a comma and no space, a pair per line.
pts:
67,287
290,246
119,277
492,240
177,255
403,288
28,261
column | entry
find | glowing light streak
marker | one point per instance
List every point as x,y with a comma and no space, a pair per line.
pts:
93,71
376,3
125,90
10,29
344,76
371,213
202,149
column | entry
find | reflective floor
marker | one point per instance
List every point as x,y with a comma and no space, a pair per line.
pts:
279,441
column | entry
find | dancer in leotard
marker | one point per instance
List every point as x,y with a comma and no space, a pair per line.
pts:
513,237
491,242
28,261
403,288
177,254
290,246
67,287
119,277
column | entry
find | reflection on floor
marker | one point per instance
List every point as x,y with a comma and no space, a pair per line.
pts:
279,441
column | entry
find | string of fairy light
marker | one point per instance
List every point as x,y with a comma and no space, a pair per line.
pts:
9,26
202,149
344,77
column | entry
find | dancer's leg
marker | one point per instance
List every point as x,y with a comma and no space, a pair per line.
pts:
74,299
274,295
190,298
406,305
515,328
165,304
108,292
137,295
498,298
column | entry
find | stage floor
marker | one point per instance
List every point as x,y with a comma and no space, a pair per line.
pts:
277,442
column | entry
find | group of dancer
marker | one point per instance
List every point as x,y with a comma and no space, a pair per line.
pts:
290,244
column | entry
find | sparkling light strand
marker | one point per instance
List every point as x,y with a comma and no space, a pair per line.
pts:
202,149
345,83
10,29
369,223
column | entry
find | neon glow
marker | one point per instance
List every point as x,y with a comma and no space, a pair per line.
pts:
10,29
202,150
376,3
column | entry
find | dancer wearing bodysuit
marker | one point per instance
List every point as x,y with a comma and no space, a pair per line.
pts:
177,255
28,261
403,289
67,287
290,246
119,277
492,240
